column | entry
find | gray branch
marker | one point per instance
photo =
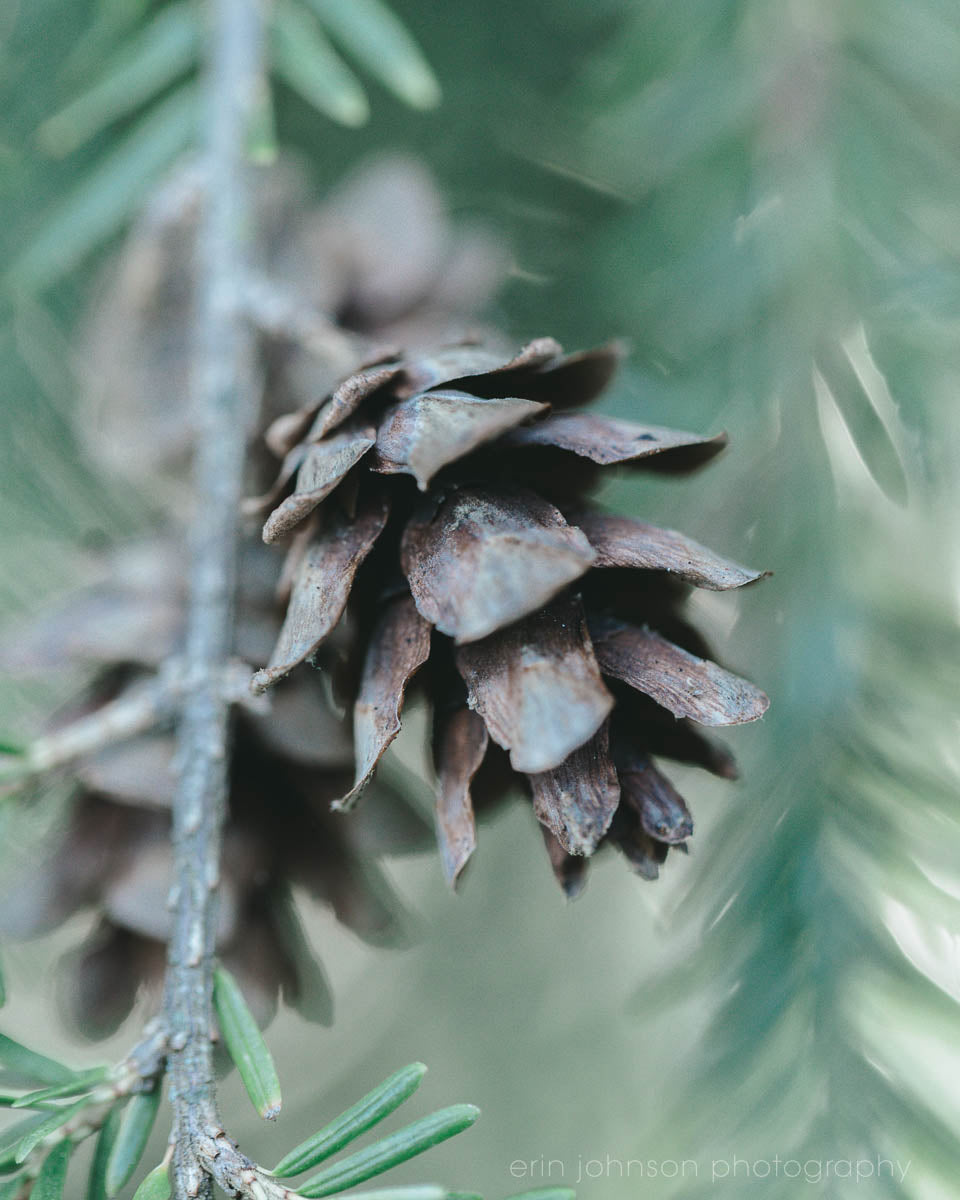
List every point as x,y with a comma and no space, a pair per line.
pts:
280,312
225,403
145,706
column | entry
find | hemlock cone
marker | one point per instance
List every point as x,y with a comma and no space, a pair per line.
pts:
113,854
440,502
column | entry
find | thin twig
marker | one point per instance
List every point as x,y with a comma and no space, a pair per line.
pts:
280,313
146,706
225,402
143,707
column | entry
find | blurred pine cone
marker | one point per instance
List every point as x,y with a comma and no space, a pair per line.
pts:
440,502
379,260
113,855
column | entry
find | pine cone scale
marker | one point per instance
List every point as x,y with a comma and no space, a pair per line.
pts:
321,588
681,682
487,557
537,686
348,398
480,371
623,542
645,854
398,647
325,464
662,810
460,749
573,380
258,505
607,440
666,736
569,870
428,431
140,771
577,800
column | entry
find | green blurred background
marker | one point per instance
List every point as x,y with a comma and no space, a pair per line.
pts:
764,200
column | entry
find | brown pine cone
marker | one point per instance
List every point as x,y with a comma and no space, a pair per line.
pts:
113,855
440,502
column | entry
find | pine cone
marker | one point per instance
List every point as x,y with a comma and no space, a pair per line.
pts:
114,856
380,257
443,497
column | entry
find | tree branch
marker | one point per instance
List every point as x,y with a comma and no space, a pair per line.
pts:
225,402
281,313
145,706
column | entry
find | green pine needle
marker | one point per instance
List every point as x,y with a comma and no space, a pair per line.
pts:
155,57
246,1046
106,1139
306,62
357,1119
397,1148
47,1126
10,1139
377,39
104,200
85,1081
131,1139
424,1191
53,1174
156,1186
22,1061
547,1193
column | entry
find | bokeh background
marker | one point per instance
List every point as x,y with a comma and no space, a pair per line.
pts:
764,201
